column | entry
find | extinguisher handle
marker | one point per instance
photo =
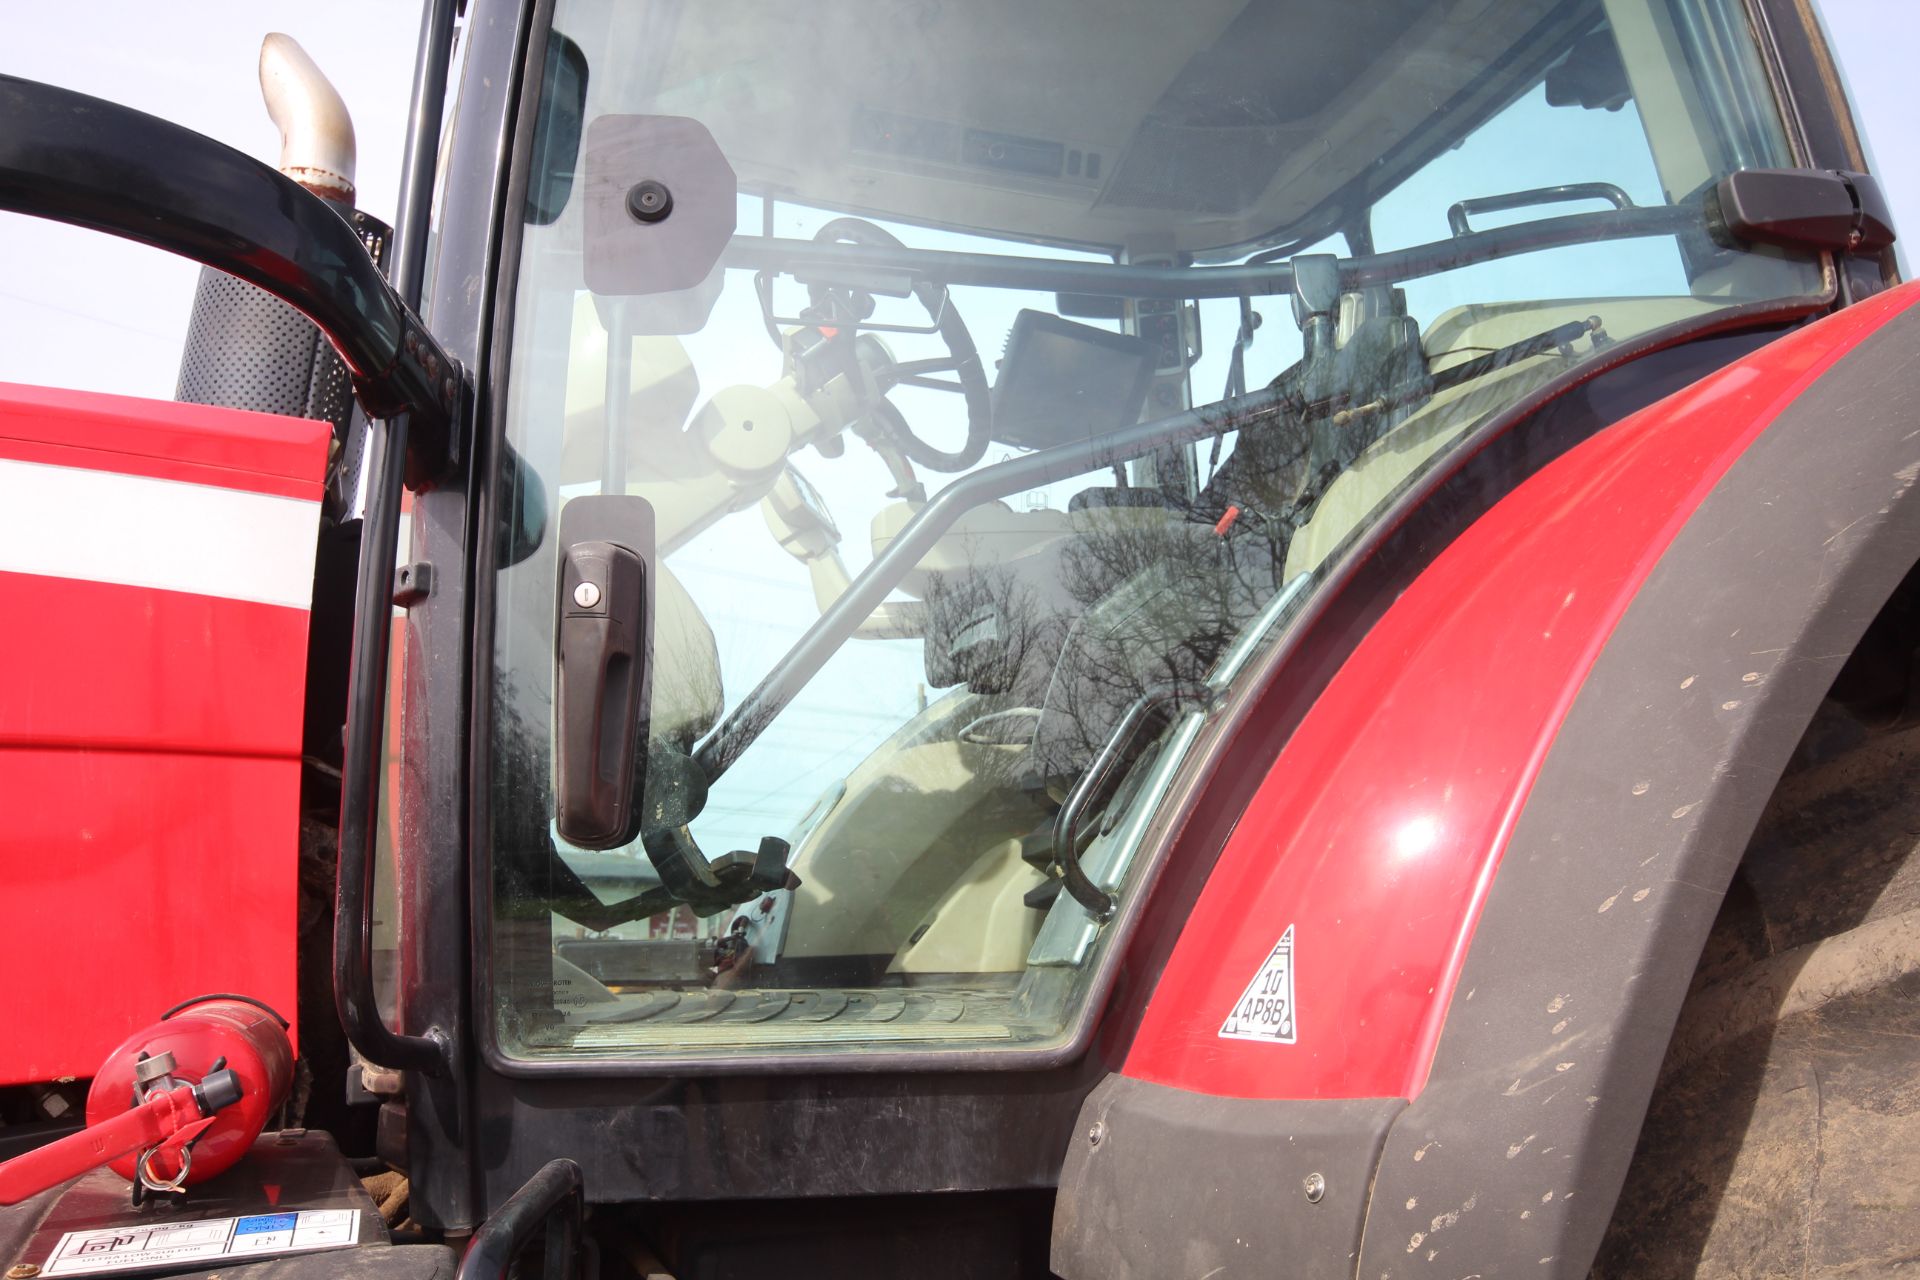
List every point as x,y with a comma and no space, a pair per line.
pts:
179,1110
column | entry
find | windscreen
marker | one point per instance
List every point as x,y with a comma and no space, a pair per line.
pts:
998,380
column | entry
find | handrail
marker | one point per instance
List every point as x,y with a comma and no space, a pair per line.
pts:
816,260
81,160
353,993
1066,854
553,1198
738,730
1457,214
721,747
353,988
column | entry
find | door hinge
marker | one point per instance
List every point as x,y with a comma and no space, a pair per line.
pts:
412,583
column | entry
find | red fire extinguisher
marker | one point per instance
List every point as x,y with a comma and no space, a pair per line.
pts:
177,1103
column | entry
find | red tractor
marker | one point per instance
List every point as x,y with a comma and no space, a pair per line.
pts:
1256,637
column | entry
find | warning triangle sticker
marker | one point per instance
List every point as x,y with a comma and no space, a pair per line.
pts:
1265,1010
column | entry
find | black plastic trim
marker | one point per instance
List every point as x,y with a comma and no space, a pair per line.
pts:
814,1136
1162,1182
431,802
422,154
1820,121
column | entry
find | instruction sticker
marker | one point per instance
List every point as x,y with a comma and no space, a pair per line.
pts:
168,1244
1265,1010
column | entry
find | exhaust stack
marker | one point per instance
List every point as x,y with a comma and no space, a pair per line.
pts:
245,348
316,133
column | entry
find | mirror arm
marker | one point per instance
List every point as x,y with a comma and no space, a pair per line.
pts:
77,159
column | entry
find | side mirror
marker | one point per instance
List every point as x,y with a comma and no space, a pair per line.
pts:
84,161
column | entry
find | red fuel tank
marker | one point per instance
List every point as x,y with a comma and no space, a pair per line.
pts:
203,1035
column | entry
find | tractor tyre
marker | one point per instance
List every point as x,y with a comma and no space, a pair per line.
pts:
1783,1138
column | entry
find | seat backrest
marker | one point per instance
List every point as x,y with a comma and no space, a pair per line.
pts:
1456,336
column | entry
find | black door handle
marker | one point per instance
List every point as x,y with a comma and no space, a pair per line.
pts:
602,640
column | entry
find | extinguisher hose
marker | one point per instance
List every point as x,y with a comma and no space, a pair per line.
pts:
227,995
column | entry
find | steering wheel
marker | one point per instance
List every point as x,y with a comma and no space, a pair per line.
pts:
962,360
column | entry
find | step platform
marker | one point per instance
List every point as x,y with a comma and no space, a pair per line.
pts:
292,1209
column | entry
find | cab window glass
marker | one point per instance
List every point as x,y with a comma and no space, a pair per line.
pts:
997,380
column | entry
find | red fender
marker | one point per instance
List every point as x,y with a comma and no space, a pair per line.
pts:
1379,829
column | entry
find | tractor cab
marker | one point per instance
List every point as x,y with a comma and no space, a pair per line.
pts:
851,504
983,391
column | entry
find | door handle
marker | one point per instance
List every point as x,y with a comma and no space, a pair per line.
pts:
603,634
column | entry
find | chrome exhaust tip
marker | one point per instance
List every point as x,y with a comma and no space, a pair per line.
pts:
316,133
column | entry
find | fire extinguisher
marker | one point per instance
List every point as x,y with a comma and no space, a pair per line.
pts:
176,1103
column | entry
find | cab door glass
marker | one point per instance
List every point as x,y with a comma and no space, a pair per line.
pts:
1072,341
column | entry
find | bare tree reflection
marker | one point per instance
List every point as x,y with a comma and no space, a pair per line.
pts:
1144,594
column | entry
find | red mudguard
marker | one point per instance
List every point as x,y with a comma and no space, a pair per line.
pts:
1379,829
156,569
